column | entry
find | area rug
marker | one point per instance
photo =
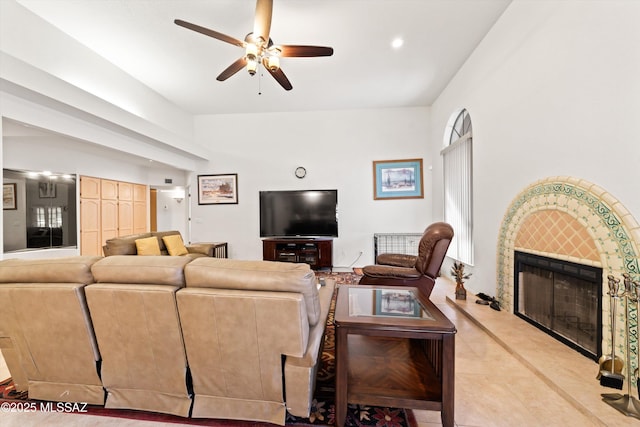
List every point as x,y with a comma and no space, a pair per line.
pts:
322,412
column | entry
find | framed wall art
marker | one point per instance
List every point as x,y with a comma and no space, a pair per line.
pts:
47,190
397,179
218,189
9,201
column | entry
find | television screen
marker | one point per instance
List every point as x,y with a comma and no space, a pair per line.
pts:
299,213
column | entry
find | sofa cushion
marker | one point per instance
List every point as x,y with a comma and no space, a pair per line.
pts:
175,245
74,269
256,275
161,235
155,270
148,246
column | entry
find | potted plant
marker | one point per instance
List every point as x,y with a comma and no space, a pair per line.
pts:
459,275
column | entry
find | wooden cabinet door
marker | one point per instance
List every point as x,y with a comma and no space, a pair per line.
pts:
140,208
125,217
89,187
90,233
139,193
108,189
125,208
109,219
125,191
109,209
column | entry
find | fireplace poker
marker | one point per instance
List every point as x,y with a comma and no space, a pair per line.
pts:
627,404
609,377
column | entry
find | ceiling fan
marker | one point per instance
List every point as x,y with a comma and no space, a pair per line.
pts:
259,48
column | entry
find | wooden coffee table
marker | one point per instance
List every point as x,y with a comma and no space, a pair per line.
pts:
393,348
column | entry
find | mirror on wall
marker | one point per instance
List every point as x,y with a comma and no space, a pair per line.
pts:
39,210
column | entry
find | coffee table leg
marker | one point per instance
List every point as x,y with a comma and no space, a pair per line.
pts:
342,358
448,380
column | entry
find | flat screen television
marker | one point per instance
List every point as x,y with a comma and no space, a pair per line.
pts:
299,213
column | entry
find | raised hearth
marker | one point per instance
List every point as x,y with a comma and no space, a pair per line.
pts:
568,373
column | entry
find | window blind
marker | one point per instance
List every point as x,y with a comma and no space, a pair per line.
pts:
458,206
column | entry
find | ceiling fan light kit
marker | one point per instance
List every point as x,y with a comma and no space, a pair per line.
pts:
259,48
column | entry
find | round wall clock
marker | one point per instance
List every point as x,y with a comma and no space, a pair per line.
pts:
301,172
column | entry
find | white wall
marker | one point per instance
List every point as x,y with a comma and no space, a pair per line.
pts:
552,90
337,148
171,214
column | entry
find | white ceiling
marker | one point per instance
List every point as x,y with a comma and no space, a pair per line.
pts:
139,36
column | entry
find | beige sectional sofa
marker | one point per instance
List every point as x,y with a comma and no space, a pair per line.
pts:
205,337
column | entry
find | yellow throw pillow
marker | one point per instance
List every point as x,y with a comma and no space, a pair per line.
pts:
175,245
148,246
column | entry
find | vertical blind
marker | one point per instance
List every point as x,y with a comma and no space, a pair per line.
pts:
458,206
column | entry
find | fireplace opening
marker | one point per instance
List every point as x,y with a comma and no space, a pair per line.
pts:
562,298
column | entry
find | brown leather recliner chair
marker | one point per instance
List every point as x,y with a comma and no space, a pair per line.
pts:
410,270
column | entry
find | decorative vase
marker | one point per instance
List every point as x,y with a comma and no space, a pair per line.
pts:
461,292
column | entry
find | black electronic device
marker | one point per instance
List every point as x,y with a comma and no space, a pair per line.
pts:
299,213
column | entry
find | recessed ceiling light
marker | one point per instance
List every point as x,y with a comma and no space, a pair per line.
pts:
397,43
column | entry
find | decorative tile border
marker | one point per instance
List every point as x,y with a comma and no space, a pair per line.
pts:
615,232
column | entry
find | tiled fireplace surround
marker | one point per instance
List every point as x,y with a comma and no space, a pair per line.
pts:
574,220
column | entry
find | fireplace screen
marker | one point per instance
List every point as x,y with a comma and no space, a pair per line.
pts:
561,298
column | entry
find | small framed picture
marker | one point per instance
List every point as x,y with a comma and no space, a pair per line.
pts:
397,179
47,190
9,201
218,189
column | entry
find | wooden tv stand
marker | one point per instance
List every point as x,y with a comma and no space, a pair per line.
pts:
317,252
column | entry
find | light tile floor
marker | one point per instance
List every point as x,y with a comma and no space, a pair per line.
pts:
507,374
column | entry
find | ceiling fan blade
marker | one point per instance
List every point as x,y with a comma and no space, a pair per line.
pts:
232,69
278,75
262,22
210,33
304,51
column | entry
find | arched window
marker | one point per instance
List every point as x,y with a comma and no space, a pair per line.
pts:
457,159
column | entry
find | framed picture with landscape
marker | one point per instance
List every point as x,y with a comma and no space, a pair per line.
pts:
397,179
218,189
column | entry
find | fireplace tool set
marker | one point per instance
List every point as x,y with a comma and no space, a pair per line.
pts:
611,366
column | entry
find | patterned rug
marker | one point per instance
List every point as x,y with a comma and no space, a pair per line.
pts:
322,412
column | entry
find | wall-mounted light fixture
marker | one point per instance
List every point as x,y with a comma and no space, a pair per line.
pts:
178,195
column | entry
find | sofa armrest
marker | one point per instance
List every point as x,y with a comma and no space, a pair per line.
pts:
211,249
201,248
300,372
398,260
